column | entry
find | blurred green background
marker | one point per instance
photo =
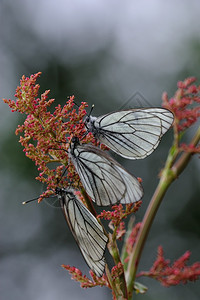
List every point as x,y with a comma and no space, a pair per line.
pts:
102,52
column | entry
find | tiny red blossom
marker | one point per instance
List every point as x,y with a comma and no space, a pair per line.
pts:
117,270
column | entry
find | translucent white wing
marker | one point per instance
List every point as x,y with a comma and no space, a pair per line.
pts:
133,133
86,230
103,178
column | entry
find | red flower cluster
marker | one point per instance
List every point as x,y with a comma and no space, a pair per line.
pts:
184,104
190,148
46,136
175,274
84,280
118,214
117,271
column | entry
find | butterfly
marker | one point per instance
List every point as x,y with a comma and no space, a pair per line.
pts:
133,133
103,178
85,228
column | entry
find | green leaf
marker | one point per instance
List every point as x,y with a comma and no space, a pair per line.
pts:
140,288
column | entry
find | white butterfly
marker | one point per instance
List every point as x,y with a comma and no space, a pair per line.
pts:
86,230
133,133
103,178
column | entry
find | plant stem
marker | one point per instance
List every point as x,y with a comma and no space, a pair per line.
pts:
120,281
169,174
124,254
112,284
88,202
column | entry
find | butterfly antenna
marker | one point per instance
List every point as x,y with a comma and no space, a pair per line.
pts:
34,199
28,201
91,110
88,117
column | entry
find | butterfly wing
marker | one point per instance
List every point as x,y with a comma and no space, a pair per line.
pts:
103,178
134,133
86,230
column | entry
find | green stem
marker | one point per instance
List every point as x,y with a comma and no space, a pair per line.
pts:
120,281
111,282
169,174
124,254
